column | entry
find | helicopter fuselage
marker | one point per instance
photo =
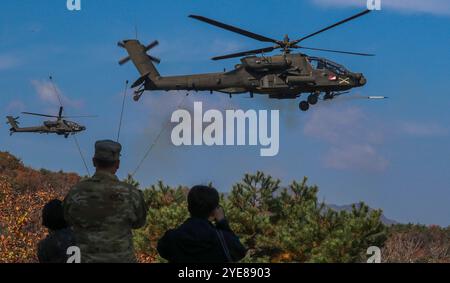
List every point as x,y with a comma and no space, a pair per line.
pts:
59,127
281,76
284,76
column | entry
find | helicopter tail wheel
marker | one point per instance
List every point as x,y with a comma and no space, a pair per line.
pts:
313,99
137,95
304,106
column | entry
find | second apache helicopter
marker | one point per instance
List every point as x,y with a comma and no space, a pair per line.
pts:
60,126
284,76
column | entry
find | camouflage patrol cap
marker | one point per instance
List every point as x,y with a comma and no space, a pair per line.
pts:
107,150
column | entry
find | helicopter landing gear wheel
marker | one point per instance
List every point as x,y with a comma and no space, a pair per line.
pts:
304,106
313,99
328,96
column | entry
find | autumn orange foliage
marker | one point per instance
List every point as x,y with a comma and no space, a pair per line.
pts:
23,193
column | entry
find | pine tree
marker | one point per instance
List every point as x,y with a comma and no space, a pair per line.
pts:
276,223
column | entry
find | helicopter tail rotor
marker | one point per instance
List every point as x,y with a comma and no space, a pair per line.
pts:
14,123
144,62
136,49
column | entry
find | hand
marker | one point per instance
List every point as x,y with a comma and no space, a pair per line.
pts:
219,214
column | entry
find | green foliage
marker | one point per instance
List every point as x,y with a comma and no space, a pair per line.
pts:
130,180
167,210
276,224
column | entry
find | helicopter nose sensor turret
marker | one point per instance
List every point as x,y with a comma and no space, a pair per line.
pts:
360,79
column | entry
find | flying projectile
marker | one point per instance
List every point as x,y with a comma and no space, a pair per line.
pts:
377,97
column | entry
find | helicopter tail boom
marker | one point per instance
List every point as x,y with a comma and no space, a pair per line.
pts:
137,53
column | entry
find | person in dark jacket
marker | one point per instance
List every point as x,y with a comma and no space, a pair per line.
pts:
198,240
53,249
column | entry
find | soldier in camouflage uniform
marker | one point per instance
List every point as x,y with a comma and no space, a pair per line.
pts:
103,210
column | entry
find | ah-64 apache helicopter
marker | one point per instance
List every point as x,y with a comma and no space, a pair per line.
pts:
284,76
60,126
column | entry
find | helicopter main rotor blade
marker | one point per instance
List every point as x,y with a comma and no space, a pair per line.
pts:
87,116
333,26
41,115
335,51
245,53
234,29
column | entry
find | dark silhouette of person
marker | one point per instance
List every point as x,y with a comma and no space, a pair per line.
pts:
53,249
198,240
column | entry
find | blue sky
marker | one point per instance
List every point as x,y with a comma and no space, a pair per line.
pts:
392,154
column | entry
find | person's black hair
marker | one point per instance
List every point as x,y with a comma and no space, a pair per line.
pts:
53,215
103,164
202,201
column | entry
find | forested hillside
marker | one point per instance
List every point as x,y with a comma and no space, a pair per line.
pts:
277,223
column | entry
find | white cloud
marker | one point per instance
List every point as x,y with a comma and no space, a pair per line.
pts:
350,139
330,125
436,7
219,46
8,62
15,106
351,156
422,129
48,93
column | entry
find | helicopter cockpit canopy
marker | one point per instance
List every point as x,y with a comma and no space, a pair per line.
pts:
51,124
322,63
71,124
